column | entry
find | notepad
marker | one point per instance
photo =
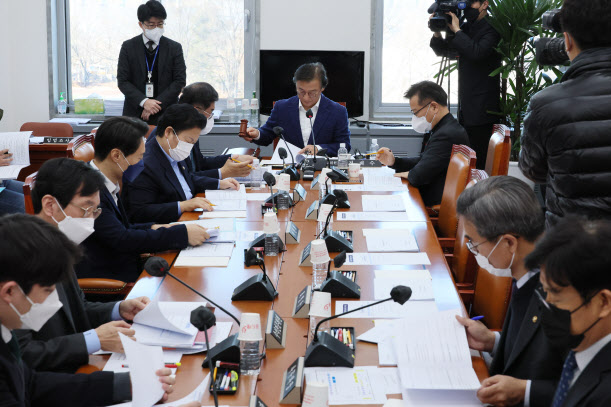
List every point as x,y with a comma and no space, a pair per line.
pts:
383,203
365,259
390,240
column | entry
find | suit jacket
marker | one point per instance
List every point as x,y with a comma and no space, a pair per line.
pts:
114,248
59,346
21,386
154,193
593,386
532,357
199,164
132,74
330,126
478,92
427,172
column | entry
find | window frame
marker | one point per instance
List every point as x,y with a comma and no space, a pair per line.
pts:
59,52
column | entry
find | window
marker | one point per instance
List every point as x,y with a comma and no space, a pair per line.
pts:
402,56
217,38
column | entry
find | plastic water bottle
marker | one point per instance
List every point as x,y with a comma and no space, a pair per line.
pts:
250,358
254,110
319,275
282,200
374,148
231,110
62,105
324,327
342,156
246,111
272,244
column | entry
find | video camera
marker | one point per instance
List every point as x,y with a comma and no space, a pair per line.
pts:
551,51
440,20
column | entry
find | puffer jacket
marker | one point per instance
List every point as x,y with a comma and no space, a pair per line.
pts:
567,139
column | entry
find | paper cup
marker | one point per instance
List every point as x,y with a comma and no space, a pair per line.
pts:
316,395
354,169
270,223
284,182
250,327
320,305
318,252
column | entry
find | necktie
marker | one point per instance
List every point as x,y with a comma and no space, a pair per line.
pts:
13,346
568,371
150,46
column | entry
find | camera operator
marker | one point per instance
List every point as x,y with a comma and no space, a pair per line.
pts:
475,41
567,128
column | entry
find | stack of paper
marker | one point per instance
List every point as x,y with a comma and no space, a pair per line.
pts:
390,240
227,225
389,309
18,144
383,203
419,281
208,254
358,385
276,160
222,194
373,216
381,179
365,259
71,120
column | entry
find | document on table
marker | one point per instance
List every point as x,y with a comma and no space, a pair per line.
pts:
389,309
383,203
229,204
371,187
143,362
70,120
374,216
18,144
220,224
390,240
223,214
211,249
365,259
226,193
422,289
276,160
439,398
231,237
433,353
349,386
117,362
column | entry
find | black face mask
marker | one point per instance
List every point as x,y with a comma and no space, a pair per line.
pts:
556,324
471,14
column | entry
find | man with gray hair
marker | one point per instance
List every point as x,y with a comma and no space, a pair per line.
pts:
502,221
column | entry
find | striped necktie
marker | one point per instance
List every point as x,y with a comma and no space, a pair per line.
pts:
568,371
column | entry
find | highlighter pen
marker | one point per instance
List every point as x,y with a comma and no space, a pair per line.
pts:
240,162
477,318
377,152
234,380
215,369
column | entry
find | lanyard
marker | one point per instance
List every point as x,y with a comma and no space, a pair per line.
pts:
150,69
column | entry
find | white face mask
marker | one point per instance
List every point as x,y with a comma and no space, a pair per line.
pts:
209,126
182,149
39,314
128,164
420,124
484,263
77,229
154,34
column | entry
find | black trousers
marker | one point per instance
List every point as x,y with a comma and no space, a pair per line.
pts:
479,137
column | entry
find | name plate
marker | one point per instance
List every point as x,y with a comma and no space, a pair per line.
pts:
275,332
305,258
315,185
299,193
301,308
312,212
57,140
256,402
292,383
293,234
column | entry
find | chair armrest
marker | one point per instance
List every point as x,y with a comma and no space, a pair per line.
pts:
87,369
433,210
104,286
447,243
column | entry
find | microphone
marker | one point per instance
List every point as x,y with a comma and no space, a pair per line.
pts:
337,284
256,288
433,8
283,155
226,350
203,319
309,115
325,350
270,180
292,171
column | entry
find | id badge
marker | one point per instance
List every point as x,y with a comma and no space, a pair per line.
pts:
150,90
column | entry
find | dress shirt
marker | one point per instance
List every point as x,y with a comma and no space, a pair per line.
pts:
6,334
92,341
112,187
304,122
155,44
584,357
181,178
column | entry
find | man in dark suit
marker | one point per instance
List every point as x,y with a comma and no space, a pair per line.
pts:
66,195
114,248
503,220
478,93
575,261
151,70
165,188
330,119
427,171
25,281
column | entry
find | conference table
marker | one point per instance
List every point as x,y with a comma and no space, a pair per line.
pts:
289,278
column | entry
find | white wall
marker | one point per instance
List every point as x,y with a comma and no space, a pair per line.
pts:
326,25
24,85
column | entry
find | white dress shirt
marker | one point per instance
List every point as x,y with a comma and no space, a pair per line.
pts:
584,357
111,186
304,122
6,334
155,44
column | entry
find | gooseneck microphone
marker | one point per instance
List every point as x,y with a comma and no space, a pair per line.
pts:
256,288
283,155
325,350
292,170
270,180
309,115
203,319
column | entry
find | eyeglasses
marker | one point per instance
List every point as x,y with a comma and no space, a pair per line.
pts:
473,248
153,25
204,112
312,94
92,211
419,110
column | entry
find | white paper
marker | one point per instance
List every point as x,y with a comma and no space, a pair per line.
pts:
422,289
365,259
226,193
223,214
172,316
388,378
220,224
348,386
70,120
390,240
433,353
208,249
231,237
439,398
371,187
383,203
389,309
117,361
18,144
384,328
229,204
276,160
201,261
374,216
143,362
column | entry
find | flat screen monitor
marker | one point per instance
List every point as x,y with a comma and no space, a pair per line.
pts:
345,70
